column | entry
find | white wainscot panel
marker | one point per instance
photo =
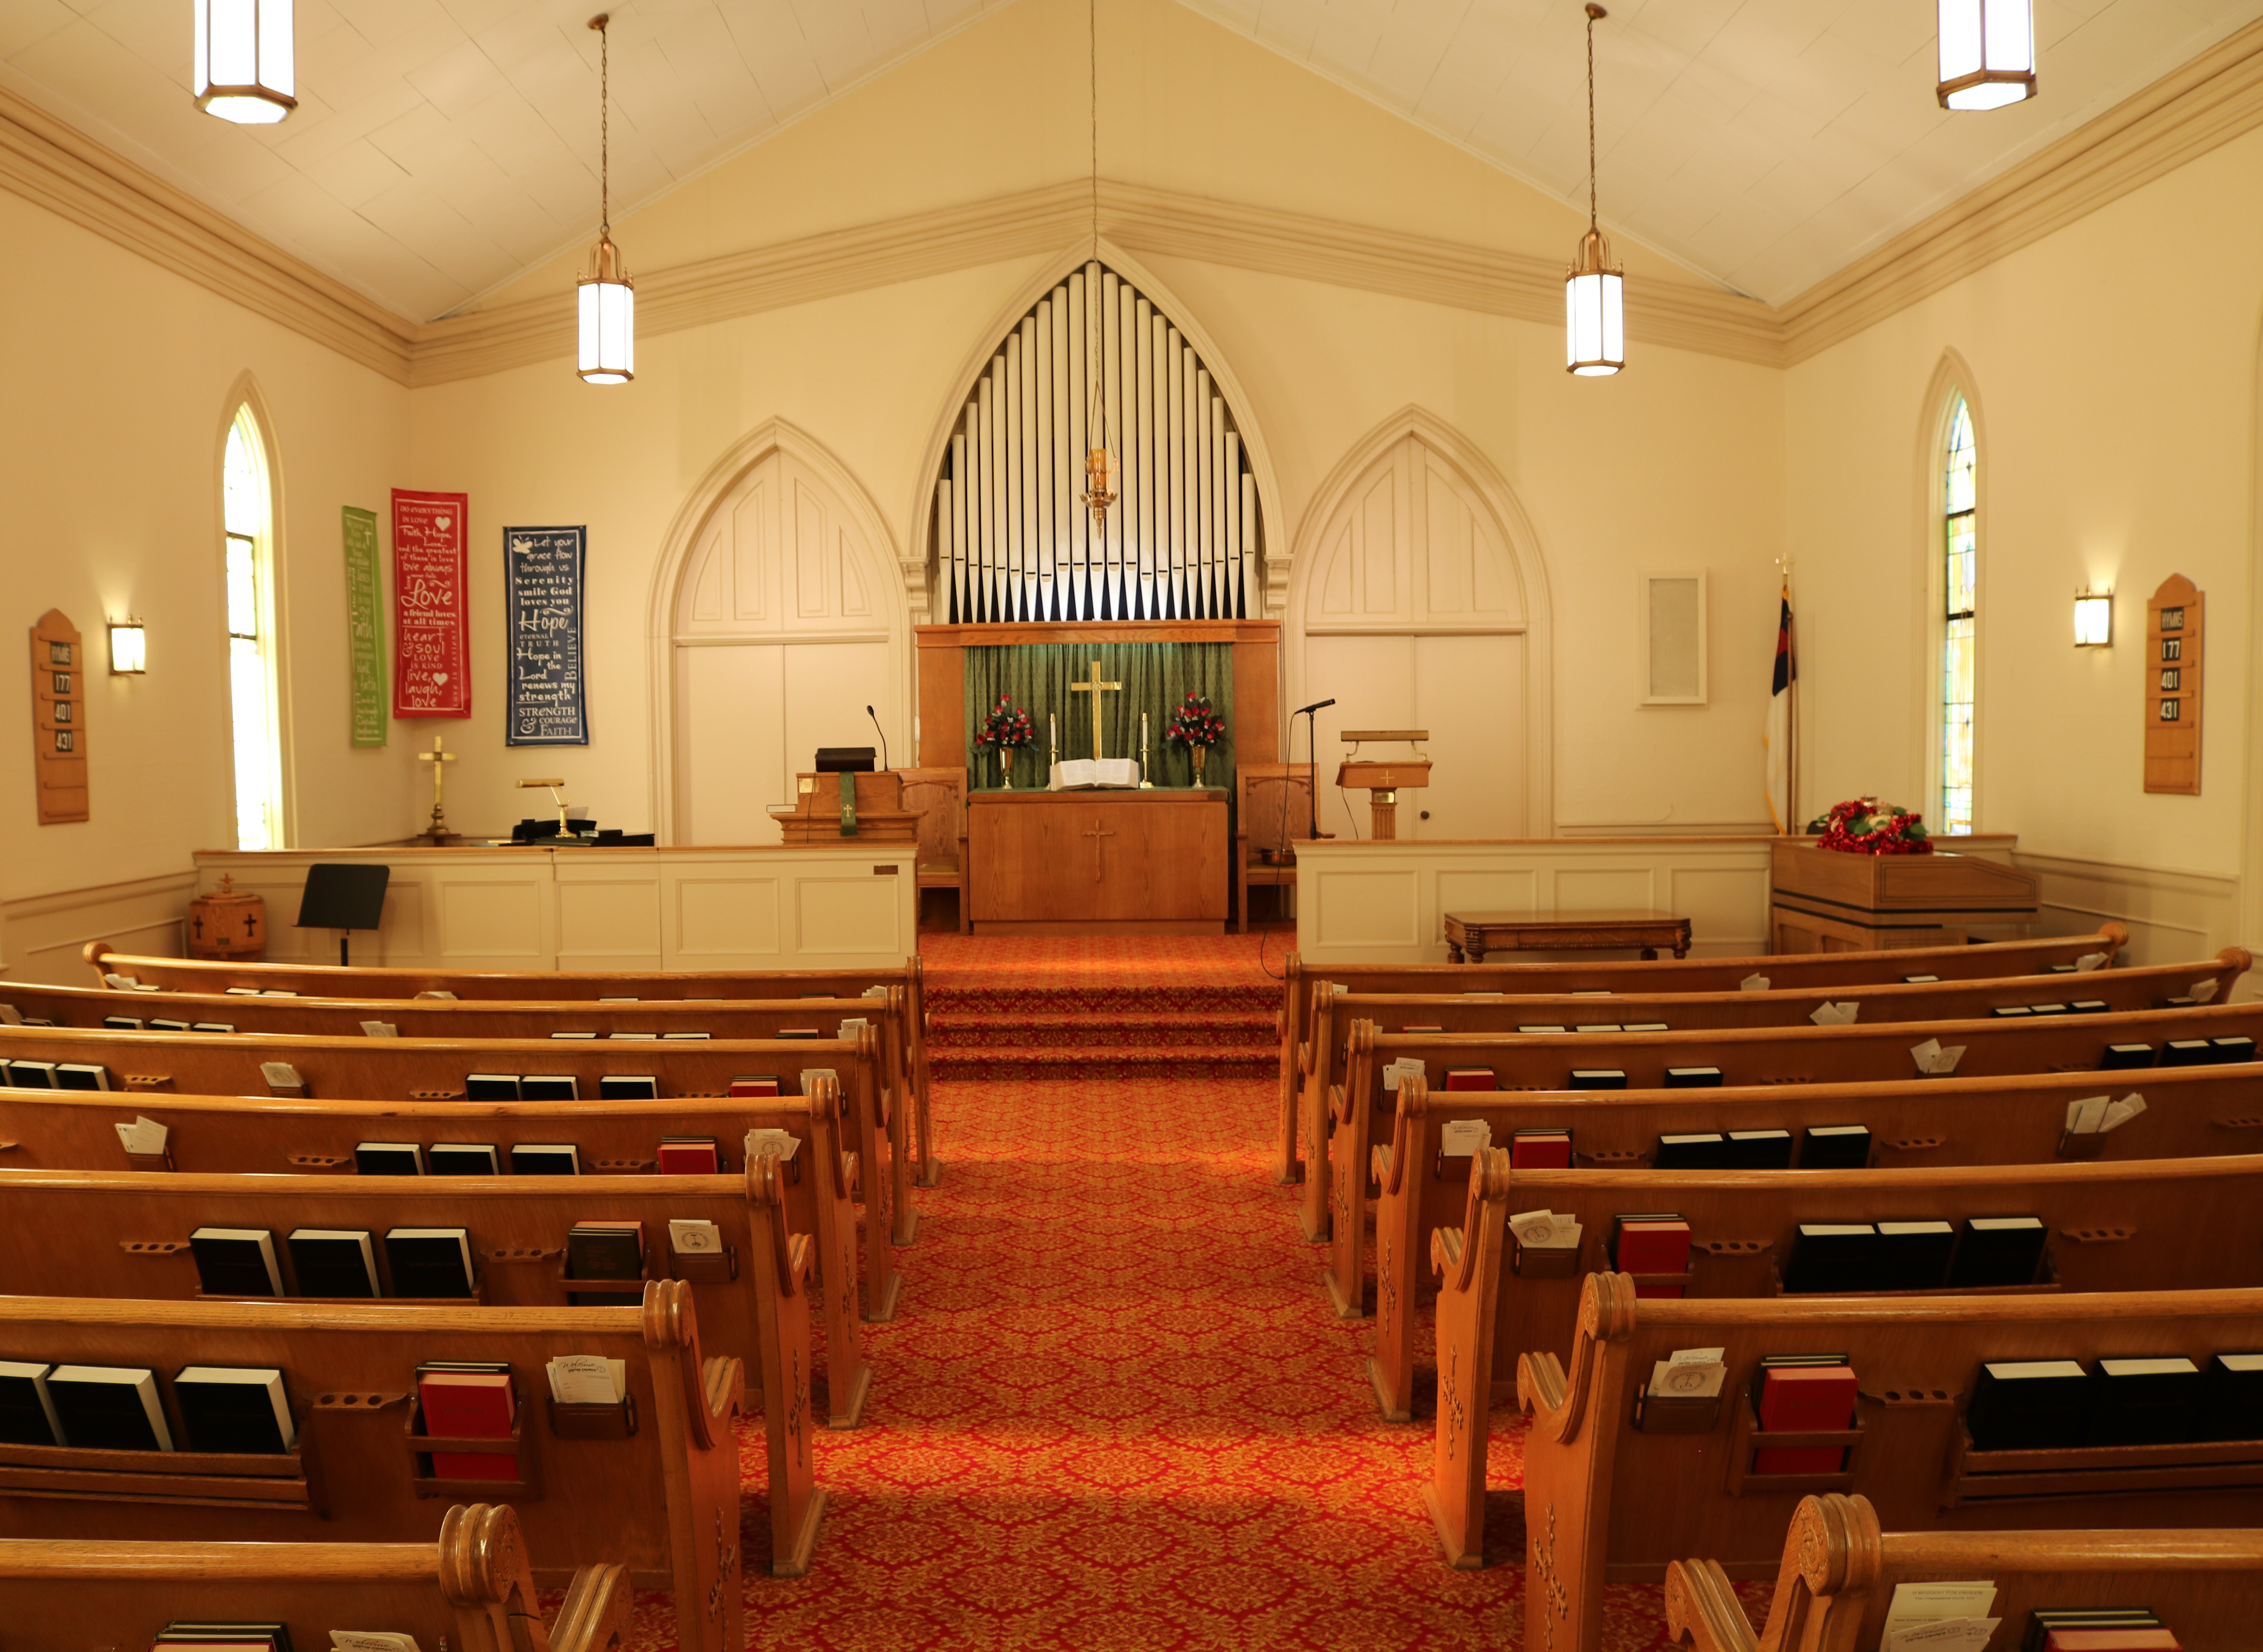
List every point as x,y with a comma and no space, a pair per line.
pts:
721,919
498,917
1495,891
607,923
1596,889
1365,910
1727,906
858,916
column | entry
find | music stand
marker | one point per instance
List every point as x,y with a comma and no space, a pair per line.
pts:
346,897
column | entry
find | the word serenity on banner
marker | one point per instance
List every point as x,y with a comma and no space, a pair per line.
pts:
542,576
432,646
365,628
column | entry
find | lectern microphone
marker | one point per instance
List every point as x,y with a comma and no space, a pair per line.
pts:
1318,705
869,712
1312,739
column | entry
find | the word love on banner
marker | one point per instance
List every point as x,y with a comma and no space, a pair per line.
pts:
542,577
431,643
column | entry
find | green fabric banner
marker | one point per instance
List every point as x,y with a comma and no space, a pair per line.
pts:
1155,678
365,628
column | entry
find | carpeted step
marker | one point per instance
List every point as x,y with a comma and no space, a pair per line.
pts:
1028,1001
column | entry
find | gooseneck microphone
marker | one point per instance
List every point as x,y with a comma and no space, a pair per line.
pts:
1307,711
1312,740
884,737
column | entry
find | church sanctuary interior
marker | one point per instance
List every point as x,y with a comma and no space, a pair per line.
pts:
1132,825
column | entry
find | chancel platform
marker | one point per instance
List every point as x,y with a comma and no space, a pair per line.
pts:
1099,862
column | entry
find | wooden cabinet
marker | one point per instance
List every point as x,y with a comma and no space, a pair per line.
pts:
1153,862
1821,900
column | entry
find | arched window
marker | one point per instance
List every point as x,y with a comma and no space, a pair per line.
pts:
247,516
1959,552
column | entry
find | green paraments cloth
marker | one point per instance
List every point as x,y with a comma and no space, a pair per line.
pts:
365,629
1156,676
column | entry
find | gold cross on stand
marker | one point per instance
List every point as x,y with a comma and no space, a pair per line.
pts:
438,829
1096,688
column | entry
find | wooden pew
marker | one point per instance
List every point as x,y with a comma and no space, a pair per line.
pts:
661,1501
428,1069
1840,1570
1681,974
472,1589
235,1135
325,981
1333,1012
2192,1112
1799,1055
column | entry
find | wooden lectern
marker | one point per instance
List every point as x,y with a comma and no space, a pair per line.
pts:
881,817
1383,780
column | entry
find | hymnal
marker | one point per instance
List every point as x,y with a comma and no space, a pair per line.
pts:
429,1261
2238,1048
603,1250
388,1158
234,1409
1597,1026
2121,1055
166,1024
2129,1638
1835,1147
1470,1078
694,1236
1920,980
1758,1150
212,1027
545,1158
1540,1149
1651,1243
800,1032
573,1035
491,1087
2053,1009
2146,1401
371,1641
187,1635
756,1084
1598,1078
628,1087
1913,1256
2028,1405
1539,1026
334,1262
1999,1251
2044,1620
123,1023
2187,1053
602,999
32,1075
1692,1079
689,1156
1836,1257
687,1035
2235,1397
2011,1009
463,1158
650,1038
236,1262
465,1405
1690,1150
2088,1006
108,1408
80,1075
549,1087
1803,1398
27,1416
1646,1026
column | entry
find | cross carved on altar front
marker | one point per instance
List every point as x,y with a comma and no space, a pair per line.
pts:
1096,688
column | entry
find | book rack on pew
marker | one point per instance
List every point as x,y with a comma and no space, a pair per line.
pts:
2088,1470
287,1482
525,1486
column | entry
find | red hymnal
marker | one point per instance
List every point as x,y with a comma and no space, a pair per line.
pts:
1469,1078
1654,1246
756,1084
2112,1641
1539,1149
468,1405
687,1158
1804,1399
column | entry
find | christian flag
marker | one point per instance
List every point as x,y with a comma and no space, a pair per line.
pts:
1778,737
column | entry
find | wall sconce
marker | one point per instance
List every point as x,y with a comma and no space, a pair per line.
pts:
129,648
2093,619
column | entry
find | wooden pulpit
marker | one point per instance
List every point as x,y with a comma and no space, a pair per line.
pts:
1383,780
881,816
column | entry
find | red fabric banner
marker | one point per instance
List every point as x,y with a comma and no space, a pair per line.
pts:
432,644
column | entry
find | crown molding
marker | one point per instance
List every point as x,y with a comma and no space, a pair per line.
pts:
47,162
2215,97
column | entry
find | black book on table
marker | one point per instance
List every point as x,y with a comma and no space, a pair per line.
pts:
1835,1147
491,1087
2028,1405
80,1075
27,1416
1692,1079
1690,1150
2187,1053
2235,1397
1758,1150
2155,1400
1597,1079
549,1087
234,1409
462,1158
429,1261
2119,1056
388,1158
545,1158
1834,1256
1914,1255
108,1408
334,1262
32,1075
236,1262
1997,1250
628,1087
2238,1048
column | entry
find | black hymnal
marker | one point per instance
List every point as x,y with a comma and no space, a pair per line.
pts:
1913,1256
2120,1055
27,1416
2239,1047
603,1250
182,1631
1691,1150
1758,1150
1835,1147
232,1408
333,1262
491,1087
2044,1620
2146,1401
80,1075
388,1158
2028,1405
1692,1079
1999,1251
236,1262
463,1158
212,1027
800,1032
2186,1053
122,1022
1542,1026
1836,1257
1918,980
108,1408
1598,1078
32,1075
2088,1006
573,1035
166,1023
549,1087
2053,1008
429,1261
2007,1010
545,1158
2235,1397
628,1087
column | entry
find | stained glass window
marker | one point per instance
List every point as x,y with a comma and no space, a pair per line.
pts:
246,518
1961,548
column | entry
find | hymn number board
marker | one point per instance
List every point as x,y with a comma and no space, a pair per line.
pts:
2175,638
59,718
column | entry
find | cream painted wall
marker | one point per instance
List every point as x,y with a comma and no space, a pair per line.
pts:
112,448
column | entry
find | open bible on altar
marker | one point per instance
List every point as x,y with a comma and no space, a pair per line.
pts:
1081,774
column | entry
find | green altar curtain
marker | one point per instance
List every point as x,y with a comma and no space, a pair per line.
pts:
1156,676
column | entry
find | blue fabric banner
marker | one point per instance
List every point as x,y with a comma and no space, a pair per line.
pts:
542,580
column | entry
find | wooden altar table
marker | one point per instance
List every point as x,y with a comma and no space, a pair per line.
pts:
1099,862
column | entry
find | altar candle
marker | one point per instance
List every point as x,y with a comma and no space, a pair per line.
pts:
1143,731
1053,732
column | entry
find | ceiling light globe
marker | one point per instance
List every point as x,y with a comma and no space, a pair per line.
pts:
243,71
1987,54
607,299
1595,312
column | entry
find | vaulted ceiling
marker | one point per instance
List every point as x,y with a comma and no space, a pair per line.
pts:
443,147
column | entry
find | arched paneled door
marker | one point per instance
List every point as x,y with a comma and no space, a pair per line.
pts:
788,623
1415,615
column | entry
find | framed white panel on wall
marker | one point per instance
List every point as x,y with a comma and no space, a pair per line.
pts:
1670,622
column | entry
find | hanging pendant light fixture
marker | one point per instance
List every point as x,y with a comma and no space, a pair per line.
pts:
1099,466
608,297
243,71
1987,53
1594,299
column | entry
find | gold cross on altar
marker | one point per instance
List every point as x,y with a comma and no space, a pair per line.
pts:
1096,688
436,757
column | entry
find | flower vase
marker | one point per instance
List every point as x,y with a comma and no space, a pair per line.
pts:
1006,767
1201,754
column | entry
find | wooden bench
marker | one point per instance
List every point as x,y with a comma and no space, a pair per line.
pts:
1840,1570
472,1590
2009,1122
661,1501
72,1130
646,987
1689,975
1273,813
1321,1057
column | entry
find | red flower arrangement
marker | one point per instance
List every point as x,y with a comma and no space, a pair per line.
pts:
1195,724
1008,727
1862,826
